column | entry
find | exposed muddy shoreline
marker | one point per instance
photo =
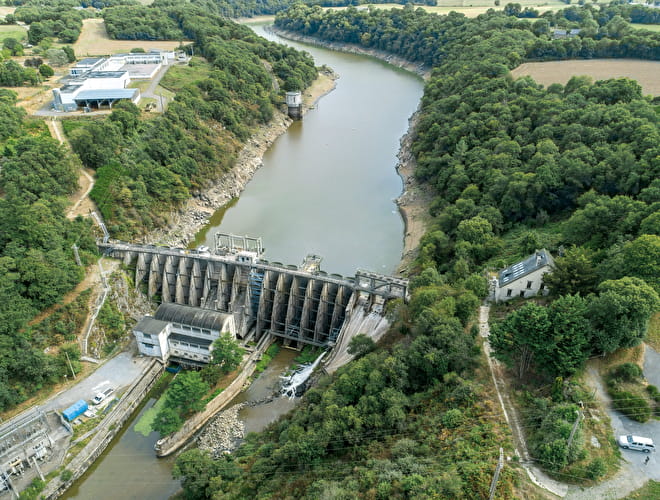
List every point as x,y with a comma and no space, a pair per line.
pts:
195,214
412,203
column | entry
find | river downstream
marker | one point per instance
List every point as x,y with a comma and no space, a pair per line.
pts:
327,186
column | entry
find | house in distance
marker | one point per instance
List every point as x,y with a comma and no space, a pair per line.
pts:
522,279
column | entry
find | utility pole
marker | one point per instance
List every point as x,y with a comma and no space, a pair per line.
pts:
493,484
575,426
70,367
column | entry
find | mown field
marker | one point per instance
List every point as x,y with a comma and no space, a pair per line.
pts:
546,73
650,27
473,8
94,41
12,31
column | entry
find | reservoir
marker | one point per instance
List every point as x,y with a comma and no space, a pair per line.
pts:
327,187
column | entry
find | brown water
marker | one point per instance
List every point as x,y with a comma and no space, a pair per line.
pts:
327,187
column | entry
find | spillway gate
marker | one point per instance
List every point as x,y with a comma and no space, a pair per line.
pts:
299,305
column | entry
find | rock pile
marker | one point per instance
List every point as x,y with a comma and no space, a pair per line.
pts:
224,433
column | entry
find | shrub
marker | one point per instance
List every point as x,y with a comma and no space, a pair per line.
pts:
66,475
596,468
627,372
653,392
631,405
453,418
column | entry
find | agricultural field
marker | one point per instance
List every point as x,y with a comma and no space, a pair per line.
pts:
546,73
94,41
473,8
6,10
13,31
649,27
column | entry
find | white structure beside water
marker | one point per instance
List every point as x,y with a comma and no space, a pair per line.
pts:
182,333
522,279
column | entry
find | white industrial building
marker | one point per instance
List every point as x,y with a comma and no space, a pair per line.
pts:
182,333
522,279
98,82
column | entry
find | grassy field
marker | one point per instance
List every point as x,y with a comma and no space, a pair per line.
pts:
178,76
473,8
13,31
653,337
94,41
546,73
649,27
650,491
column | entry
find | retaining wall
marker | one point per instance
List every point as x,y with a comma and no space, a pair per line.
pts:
107,429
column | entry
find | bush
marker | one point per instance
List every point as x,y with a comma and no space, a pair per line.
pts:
46,71
66,475
453,418
627,372
596,468
631,405
654,393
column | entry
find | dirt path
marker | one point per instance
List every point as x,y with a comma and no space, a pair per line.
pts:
82,204
535,475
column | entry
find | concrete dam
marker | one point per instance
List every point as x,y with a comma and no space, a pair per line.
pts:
302,305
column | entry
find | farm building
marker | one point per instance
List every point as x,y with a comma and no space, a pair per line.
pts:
182,333
522,279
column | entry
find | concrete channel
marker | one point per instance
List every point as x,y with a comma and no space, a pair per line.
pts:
107,429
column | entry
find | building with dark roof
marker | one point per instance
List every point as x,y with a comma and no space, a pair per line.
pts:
523,279
182,333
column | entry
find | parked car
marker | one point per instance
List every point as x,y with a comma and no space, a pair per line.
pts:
100,396
638,443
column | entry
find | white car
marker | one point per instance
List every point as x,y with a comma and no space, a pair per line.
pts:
100,396
631,442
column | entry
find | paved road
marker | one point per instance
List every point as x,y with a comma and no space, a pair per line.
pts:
118,372
633,473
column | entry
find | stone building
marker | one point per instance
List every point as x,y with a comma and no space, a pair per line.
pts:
522,279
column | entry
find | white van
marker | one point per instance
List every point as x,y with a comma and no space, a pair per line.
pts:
100,396
636,443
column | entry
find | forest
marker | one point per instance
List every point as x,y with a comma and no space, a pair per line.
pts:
36,261
513,167
145,168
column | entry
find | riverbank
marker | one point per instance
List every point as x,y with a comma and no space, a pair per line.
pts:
415,198
194,215
419,69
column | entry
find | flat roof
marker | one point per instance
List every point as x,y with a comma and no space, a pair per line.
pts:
105,74
150,325
106,94
70,88
88,61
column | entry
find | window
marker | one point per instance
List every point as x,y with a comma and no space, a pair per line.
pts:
529,285
508,293
542,286
147,346
522,293
146,335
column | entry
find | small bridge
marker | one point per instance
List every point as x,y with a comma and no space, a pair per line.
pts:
302,305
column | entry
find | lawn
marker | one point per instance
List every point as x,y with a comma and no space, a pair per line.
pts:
13,31
649,27
650,491
179,76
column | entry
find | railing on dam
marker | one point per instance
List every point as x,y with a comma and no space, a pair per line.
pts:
295,304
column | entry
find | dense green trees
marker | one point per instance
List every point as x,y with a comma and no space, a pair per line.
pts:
183,397
145,168
36,262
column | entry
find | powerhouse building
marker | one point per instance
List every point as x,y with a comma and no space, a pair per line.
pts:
181,333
